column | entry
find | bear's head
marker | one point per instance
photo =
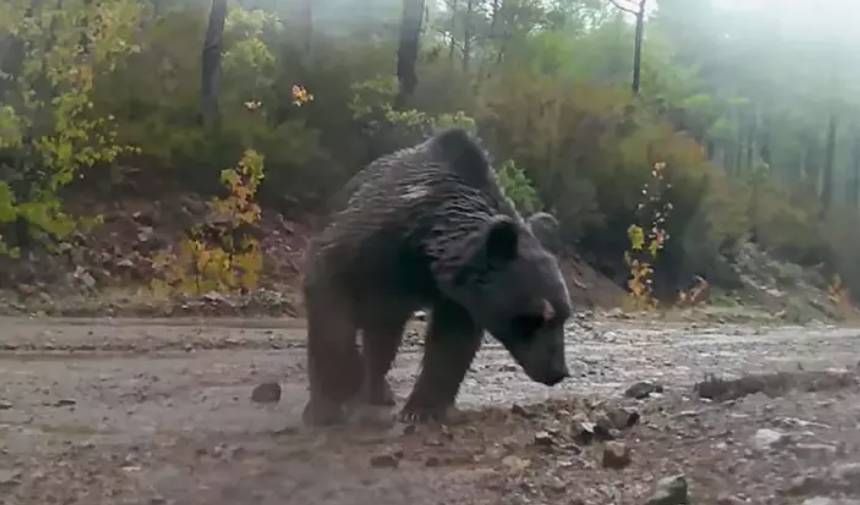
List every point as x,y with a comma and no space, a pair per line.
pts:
512,287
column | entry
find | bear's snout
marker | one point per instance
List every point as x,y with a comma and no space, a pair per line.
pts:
555,375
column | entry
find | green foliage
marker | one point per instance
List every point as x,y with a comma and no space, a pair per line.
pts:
373,104
518,188
63,49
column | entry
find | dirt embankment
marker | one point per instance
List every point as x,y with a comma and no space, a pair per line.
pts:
109,271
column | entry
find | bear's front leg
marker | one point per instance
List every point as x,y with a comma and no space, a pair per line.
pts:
453,339
334,364
381,334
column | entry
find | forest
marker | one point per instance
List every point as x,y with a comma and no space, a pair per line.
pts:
664,135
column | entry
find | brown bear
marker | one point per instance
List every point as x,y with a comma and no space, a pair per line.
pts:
427,227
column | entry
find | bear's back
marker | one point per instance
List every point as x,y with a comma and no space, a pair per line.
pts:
422,198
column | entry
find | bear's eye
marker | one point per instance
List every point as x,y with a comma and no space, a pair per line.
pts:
527,324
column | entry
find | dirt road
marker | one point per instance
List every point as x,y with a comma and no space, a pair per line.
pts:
159,411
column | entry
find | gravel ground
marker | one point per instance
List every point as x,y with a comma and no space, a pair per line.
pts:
149,411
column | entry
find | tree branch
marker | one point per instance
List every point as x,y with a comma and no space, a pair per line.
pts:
624,8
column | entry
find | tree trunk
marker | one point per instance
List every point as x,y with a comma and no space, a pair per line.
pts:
407,53
494,20
764,148
307,25
750,149
211,62
637,50
829,161
452,43
739,146
854,189
467,35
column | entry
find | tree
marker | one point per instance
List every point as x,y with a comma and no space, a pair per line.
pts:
829,162
639,12
407,52
211,62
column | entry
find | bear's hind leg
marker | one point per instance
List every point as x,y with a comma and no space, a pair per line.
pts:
453,339
334,364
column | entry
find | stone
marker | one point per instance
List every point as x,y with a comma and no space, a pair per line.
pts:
616,455
384,461
269,392
642,390
9,477
516,463
583,429
670,491
815,450
521,411
623,418
766,439
543,439
848,476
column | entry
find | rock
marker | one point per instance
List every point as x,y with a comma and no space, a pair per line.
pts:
766,439
521,411
583,429
815,450
26,290
125,264
269,392
215,297
670,491
806,484
66,402
543,439
516,463
432,462
820,500
642,390
848,476
623,418
84,277
728,500
9,477
616,455
145,234
384,461
5,405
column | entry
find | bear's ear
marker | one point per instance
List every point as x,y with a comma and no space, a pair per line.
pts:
502,239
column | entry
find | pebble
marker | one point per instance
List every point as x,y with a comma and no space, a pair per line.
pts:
815,450
9,477
616,455
521,411
623,418
269,392
516,463
728,500
583,429
384,461
670,491
642,390
766,438
5,405
543,439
